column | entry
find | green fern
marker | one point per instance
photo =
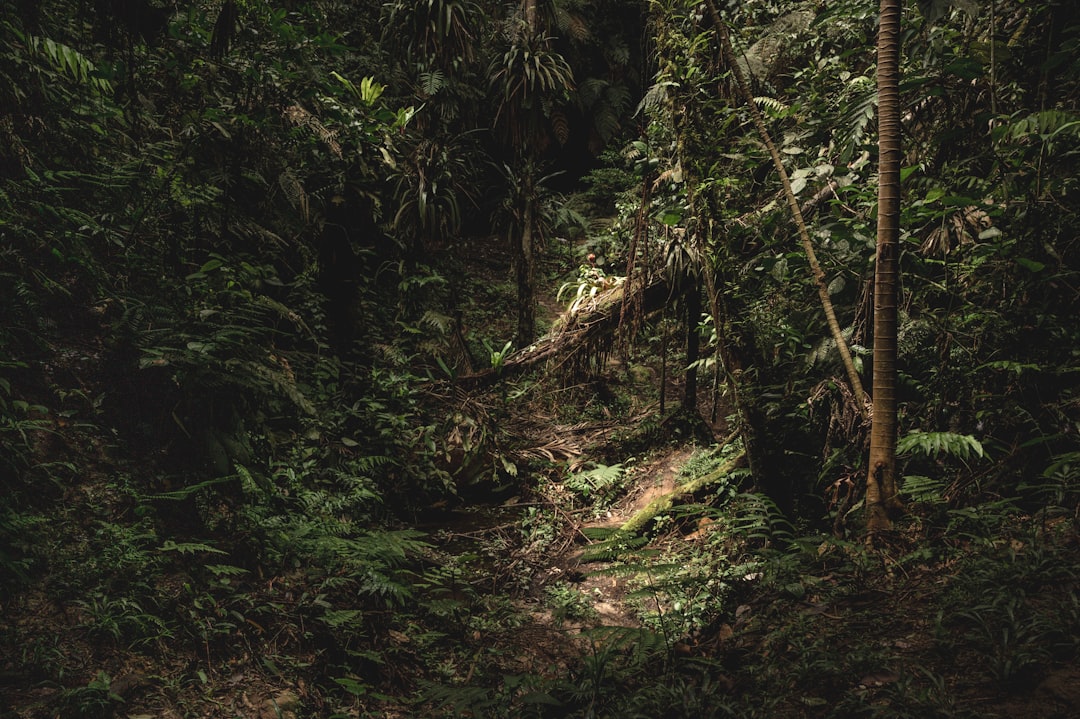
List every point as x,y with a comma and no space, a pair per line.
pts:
432,82
656,96
1059,484
858,114
188,548
935,444
69,61
639,642
1010,366
1047,125
179,495
595,482
460,700
342,618
612,545
923,489
759,519
772,107
437,321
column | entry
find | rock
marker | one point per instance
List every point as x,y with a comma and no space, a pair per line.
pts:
282,706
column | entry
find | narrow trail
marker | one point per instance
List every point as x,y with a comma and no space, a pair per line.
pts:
536,543
569,596
660,476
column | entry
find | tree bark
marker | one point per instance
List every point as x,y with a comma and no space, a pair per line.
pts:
525,248
693,345
881,491
526,271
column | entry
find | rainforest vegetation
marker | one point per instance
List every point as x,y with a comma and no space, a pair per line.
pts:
544,358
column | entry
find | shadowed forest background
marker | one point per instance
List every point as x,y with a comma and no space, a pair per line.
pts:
451,358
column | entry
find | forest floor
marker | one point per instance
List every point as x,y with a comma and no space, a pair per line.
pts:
720,608
832,628
960,613
976,631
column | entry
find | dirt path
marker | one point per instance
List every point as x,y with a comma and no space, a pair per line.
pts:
656,479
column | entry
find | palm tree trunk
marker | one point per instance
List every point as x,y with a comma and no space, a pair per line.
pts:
881,491
530,14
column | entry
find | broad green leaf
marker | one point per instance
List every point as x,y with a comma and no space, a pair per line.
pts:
671,217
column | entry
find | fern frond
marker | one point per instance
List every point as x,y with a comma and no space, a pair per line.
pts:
572,24
923,489
617,97
857,115
934,444
299,116
618,546
639,642
280,381
655,96
591,90
71,62
606,121
188,547
437,321
1046,124
760,519
337,618
771,106
596,480
294,192
465,700
561,126
432,82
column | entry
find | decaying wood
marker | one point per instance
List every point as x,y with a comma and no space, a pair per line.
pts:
661,504
576,338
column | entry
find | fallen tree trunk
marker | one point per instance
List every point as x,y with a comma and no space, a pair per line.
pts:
576,335
661,504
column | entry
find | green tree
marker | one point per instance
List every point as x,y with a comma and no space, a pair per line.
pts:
530,79
437,46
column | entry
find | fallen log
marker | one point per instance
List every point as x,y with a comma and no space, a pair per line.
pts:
662,504
577,333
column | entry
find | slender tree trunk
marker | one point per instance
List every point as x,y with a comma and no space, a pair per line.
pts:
693,344
735,352
881,492
525,250
526,271
793,204
663,364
